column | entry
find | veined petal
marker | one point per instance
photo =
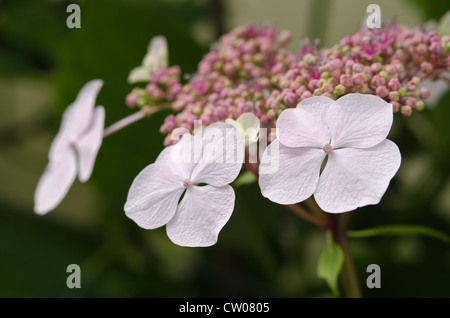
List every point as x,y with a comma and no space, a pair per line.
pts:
222,155
183,156
317,106
89,144
359,121
153,196
76,118
305,126
201,215
56,181
297,175
354,178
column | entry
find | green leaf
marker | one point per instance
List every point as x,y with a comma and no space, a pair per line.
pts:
330,265
245,178
400,230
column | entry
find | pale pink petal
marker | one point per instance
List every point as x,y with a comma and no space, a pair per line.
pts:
55,182
354,178
294,174
359,121
222,155
76,118
153,196
201,215
305,125
89,144
183,156
317,106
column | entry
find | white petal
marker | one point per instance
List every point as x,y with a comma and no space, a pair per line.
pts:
294,175
238,126
183,156
317,106
155,59
359,121
201,215
89,144
354,178
305,126
76,118
222,155
157,54
153,196
55,182
139,74
250,125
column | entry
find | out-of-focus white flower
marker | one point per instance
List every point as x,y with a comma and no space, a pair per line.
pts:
212,156
248,127
73,150
444,24
351,132
157,57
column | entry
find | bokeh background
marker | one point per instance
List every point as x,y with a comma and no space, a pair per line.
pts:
264,250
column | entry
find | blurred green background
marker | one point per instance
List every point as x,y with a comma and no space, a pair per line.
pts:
264,250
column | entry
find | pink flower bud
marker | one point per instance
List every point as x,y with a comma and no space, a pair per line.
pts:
382,91
426,67
313,84
422,49
358,79
358,68
436,48
376,67
406,110
289,97
394,96
333,64
394,84
264,120
132,99
346,80
424,92
391,69
410,101
378,80
395,107
327,87
305,95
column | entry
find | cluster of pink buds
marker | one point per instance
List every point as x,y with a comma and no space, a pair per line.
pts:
236,77
391,62
249,70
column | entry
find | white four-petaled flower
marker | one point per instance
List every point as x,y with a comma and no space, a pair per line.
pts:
351,132
74,149
213,157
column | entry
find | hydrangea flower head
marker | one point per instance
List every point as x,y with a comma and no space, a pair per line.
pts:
73,150
351,133
213,157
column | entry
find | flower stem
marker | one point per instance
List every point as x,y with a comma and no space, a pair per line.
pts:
298,210
145,111
338,227
301,212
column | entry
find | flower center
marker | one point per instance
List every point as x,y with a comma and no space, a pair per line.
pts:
327,148
187,183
